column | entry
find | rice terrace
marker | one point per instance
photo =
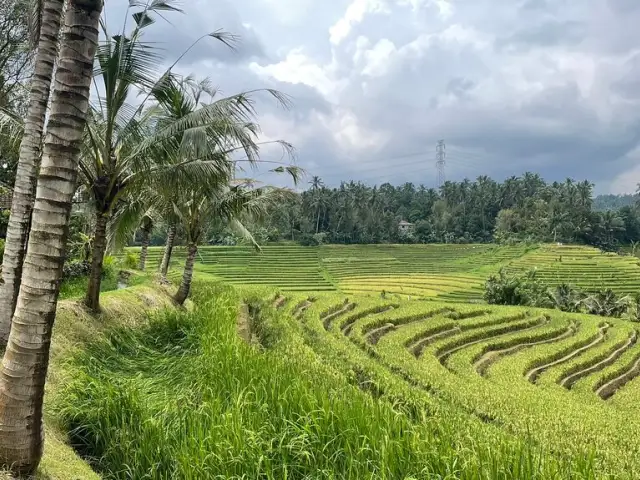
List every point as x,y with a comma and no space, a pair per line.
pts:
442,272
407,323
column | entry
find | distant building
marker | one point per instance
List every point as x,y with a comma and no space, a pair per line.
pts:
405,227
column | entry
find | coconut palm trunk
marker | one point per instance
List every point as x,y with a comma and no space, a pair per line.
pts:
147,227
24,365
185,285
92,299
168,250
25,184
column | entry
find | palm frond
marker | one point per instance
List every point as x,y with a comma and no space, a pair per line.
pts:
238,227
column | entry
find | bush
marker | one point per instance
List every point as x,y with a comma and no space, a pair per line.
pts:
607,304
109,268
76,269
526,290
307,240
568,298
131,260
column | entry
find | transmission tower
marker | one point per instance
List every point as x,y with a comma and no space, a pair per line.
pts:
441,155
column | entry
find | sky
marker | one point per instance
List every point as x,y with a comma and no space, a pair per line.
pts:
549,86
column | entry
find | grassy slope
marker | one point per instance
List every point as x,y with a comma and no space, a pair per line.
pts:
288,412
73,328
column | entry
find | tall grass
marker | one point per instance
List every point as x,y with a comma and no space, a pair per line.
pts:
184,398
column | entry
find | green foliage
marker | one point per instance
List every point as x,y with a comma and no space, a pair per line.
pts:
520,209
75,269
76,277
528,290
131,260
309,240
4,219
513,289
606,304
568,298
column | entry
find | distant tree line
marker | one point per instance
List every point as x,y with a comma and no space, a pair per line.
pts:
520,209
614,202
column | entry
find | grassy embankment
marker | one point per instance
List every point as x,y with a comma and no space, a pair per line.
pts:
185,397
73,329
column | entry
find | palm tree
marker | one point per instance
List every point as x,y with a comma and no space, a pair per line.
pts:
611,222
197,207
198,155
127,145
145,228
26,359
168,250
316,186
48,16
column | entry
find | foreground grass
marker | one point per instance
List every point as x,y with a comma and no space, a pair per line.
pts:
184,397
74,327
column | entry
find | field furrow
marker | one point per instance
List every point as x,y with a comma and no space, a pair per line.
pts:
496,352
597,364
533,374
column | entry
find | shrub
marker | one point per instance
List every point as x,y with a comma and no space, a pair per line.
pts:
607,304
109,268
131,260
76,269
307,240
568,298
527,290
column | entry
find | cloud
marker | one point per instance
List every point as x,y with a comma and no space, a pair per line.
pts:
549,33
548,86
354,14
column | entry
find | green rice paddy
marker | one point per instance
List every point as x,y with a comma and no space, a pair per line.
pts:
442,272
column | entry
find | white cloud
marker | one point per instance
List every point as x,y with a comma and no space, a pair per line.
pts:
297,67
350,135
354,14
378,58
445,9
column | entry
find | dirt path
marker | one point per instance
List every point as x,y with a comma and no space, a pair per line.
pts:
243,325
445,354
326,320
279,302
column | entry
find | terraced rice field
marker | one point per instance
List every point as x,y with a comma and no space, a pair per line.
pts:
443,272
567,383
585,267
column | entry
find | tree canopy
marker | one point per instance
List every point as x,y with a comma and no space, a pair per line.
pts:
524,208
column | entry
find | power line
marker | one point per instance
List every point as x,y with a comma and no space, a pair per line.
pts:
441,155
